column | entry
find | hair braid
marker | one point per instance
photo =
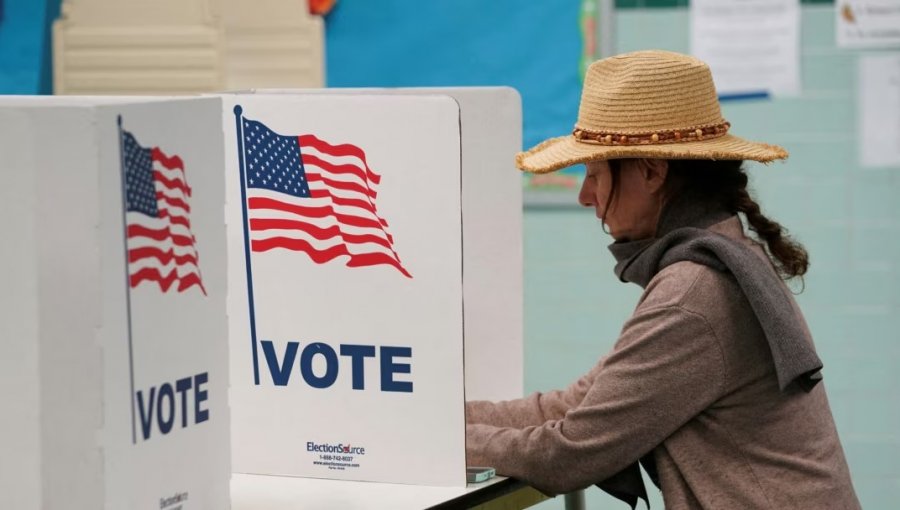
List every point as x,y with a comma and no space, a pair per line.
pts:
790,258
726,181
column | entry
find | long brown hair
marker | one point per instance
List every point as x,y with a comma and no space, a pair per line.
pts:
726,182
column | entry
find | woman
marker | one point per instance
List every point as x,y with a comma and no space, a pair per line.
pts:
713,384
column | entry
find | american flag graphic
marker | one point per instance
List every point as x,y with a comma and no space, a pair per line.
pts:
161,246
305,194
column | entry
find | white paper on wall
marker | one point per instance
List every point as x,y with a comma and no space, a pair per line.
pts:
868,23
878,90
345,297
751,46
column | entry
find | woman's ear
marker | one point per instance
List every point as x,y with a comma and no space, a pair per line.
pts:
654,172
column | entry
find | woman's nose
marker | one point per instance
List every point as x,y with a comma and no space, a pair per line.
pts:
586,195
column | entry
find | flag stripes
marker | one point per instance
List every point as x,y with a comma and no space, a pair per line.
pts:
311,196
161,245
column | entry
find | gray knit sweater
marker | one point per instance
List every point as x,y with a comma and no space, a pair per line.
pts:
691,375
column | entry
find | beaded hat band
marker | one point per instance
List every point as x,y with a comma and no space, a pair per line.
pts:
646,104
674,136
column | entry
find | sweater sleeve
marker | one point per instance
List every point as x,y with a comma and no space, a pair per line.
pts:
535,409
666,367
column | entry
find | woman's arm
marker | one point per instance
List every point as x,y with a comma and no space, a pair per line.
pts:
665,369
534,409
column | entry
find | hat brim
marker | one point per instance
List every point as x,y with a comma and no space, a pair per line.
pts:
557,153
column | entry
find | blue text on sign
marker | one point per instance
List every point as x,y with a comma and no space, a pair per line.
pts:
281,370
158,405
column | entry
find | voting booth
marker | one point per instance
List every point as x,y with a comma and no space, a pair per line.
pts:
305,285
114,374
491,135
345,287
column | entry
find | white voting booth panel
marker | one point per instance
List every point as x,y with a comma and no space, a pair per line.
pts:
345,287
20,432
491,127
114,314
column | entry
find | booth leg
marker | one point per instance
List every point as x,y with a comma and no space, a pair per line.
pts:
575,500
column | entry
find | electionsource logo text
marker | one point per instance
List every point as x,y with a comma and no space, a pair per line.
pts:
335,448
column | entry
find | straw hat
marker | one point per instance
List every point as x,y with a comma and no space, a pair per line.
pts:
646,104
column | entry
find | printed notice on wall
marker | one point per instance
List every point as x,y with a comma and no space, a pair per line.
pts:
879,110
752,46
868,23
